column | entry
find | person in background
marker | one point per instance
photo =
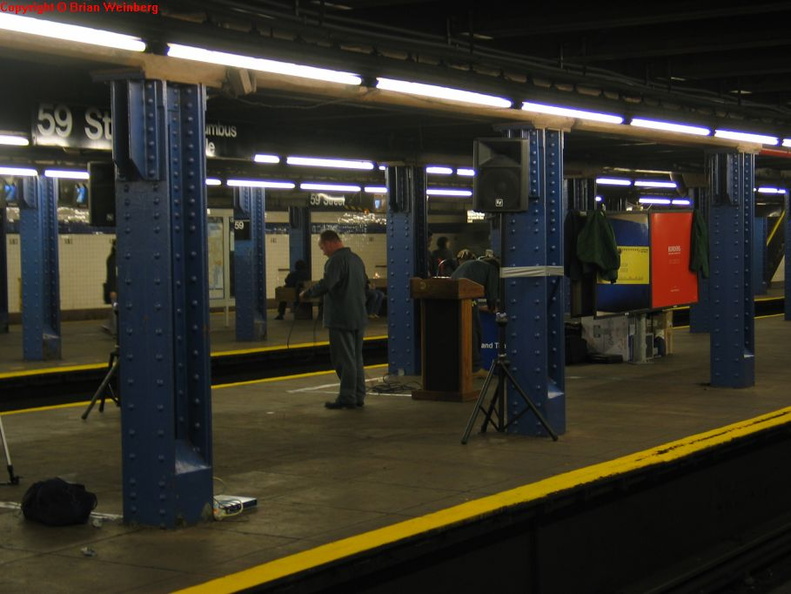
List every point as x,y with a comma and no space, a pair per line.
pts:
110,290
343,290
373,299
295,280
485,272
443,258
431,264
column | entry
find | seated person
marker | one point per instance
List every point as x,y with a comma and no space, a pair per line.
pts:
294,280
443,258
373,299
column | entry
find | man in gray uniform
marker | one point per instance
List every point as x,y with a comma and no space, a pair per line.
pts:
343,289
487,273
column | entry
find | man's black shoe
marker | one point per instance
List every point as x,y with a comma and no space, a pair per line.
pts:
360,404
335,405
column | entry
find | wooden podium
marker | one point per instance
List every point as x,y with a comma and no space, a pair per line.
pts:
446,337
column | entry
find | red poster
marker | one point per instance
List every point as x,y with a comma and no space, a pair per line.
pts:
672,283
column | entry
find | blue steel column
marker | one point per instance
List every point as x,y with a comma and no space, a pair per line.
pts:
250,267
163,335
407,257
38,232
700,312
731,181
535,305
299,241
3,274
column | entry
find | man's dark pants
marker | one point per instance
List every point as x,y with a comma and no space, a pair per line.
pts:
346,354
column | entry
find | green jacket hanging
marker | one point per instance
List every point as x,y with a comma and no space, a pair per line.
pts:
596,245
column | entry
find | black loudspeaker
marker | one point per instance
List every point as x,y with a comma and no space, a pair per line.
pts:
500,184
101,193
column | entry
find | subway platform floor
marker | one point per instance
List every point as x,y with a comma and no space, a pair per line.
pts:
321,475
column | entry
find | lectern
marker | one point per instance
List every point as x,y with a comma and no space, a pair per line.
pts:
446,337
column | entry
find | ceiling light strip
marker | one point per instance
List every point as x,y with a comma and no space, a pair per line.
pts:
198,54
747,137
13,140
670,127
260,183
332,163
438,92
571,113
66,174
18,171
88,35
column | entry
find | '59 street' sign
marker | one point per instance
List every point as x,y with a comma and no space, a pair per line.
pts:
58,124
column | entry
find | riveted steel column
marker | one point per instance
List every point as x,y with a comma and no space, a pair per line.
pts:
299,241
163,330
407,257
535,305
38,231
3,273
250,266
700,312
731,181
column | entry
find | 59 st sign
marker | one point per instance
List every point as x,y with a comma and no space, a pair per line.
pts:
58,124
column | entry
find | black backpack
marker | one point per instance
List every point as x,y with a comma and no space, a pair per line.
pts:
55,502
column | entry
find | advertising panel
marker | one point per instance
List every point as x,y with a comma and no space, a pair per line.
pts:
672,282
632,290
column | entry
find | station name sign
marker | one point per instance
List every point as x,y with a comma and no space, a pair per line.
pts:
91,127
57,124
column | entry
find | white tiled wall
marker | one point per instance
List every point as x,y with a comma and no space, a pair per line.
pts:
82,271
82,261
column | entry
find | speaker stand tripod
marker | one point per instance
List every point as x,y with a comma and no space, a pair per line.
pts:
12,478
106,387
500,369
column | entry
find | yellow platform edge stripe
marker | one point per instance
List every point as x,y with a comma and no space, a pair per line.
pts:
479,508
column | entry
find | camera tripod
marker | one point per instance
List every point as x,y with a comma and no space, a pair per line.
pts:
12,478
500,369
106,387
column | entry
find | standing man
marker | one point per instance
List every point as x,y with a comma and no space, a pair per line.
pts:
343,289
485,272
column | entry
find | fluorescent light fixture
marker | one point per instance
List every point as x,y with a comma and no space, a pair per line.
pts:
613,181
439,170
322,187
448,192
647,183
746,136
572,113
260,183
334,163
375,189
213,181
198,54
466,172
18,171
767,190
54,30
681,202
786,141
437,92
650,200
65,174
11,140
670,127
260,158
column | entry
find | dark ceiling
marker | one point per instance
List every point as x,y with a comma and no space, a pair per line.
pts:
721,63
